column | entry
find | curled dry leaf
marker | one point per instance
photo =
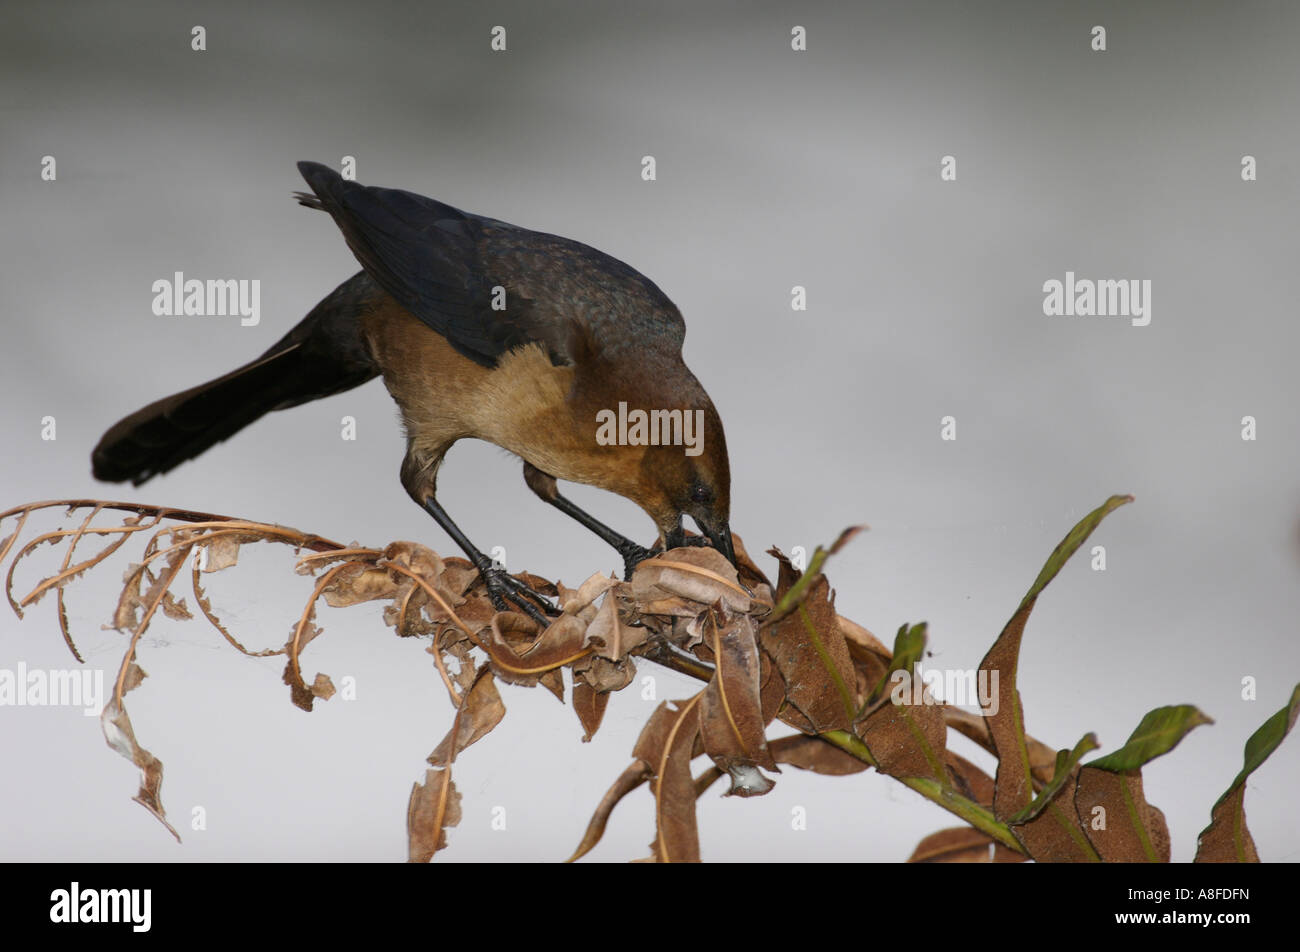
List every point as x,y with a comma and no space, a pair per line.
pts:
322,687
360,582
175,608
610,636
813,753
222,550
908,739
1134,831
812,657
963,844
604,675
459,652
731,712
120,735
1042,758
1058,833
581,601
701,576
481,710
519,655
969,780
434,805
749,574
637,773
303,633
1067,765
666,744
589,704
809,666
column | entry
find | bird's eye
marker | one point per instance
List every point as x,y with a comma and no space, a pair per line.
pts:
701,493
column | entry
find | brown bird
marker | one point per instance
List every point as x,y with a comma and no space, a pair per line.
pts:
480,329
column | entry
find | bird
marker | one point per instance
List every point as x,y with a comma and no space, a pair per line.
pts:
482,330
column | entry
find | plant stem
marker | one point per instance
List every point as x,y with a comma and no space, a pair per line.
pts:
970,811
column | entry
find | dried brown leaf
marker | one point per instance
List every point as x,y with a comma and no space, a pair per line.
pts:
969,780
772,690
1227,839
748,572
703,576
631,778
1057,834
908,740
175,608
222,551
731,714
520,656
360,582
581,601
610,636
553,681
589,704
1042,758
1014,781
666,744
813,753
322,687
963,844
1134,831
434,805
604,675
481,710
813,658
120,735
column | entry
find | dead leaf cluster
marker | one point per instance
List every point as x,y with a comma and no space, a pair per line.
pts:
764,651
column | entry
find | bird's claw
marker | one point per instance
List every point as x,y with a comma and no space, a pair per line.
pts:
634,555
503,587
698,541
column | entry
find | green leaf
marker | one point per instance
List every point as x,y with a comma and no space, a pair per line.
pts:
1066,760
909,648
1227,839
1264,741
1159,733
1070,544
1014,783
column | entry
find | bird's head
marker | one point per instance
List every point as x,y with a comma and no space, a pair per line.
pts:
692,479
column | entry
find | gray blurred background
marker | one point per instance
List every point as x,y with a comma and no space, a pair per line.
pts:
775,169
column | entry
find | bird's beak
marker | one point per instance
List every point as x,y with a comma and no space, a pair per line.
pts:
674,537
721,539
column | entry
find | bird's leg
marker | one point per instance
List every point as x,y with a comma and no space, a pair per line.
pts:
501,585
543,484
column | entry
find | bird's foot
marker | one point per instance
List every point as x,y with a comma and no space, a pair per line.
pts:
504,588
697,540
634,555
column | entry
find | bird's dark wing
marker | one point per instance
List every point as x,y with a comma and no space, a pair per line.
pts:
442,265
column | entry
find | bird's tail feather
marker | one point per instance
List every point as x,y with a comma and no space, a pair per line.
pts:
323,355
180,427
